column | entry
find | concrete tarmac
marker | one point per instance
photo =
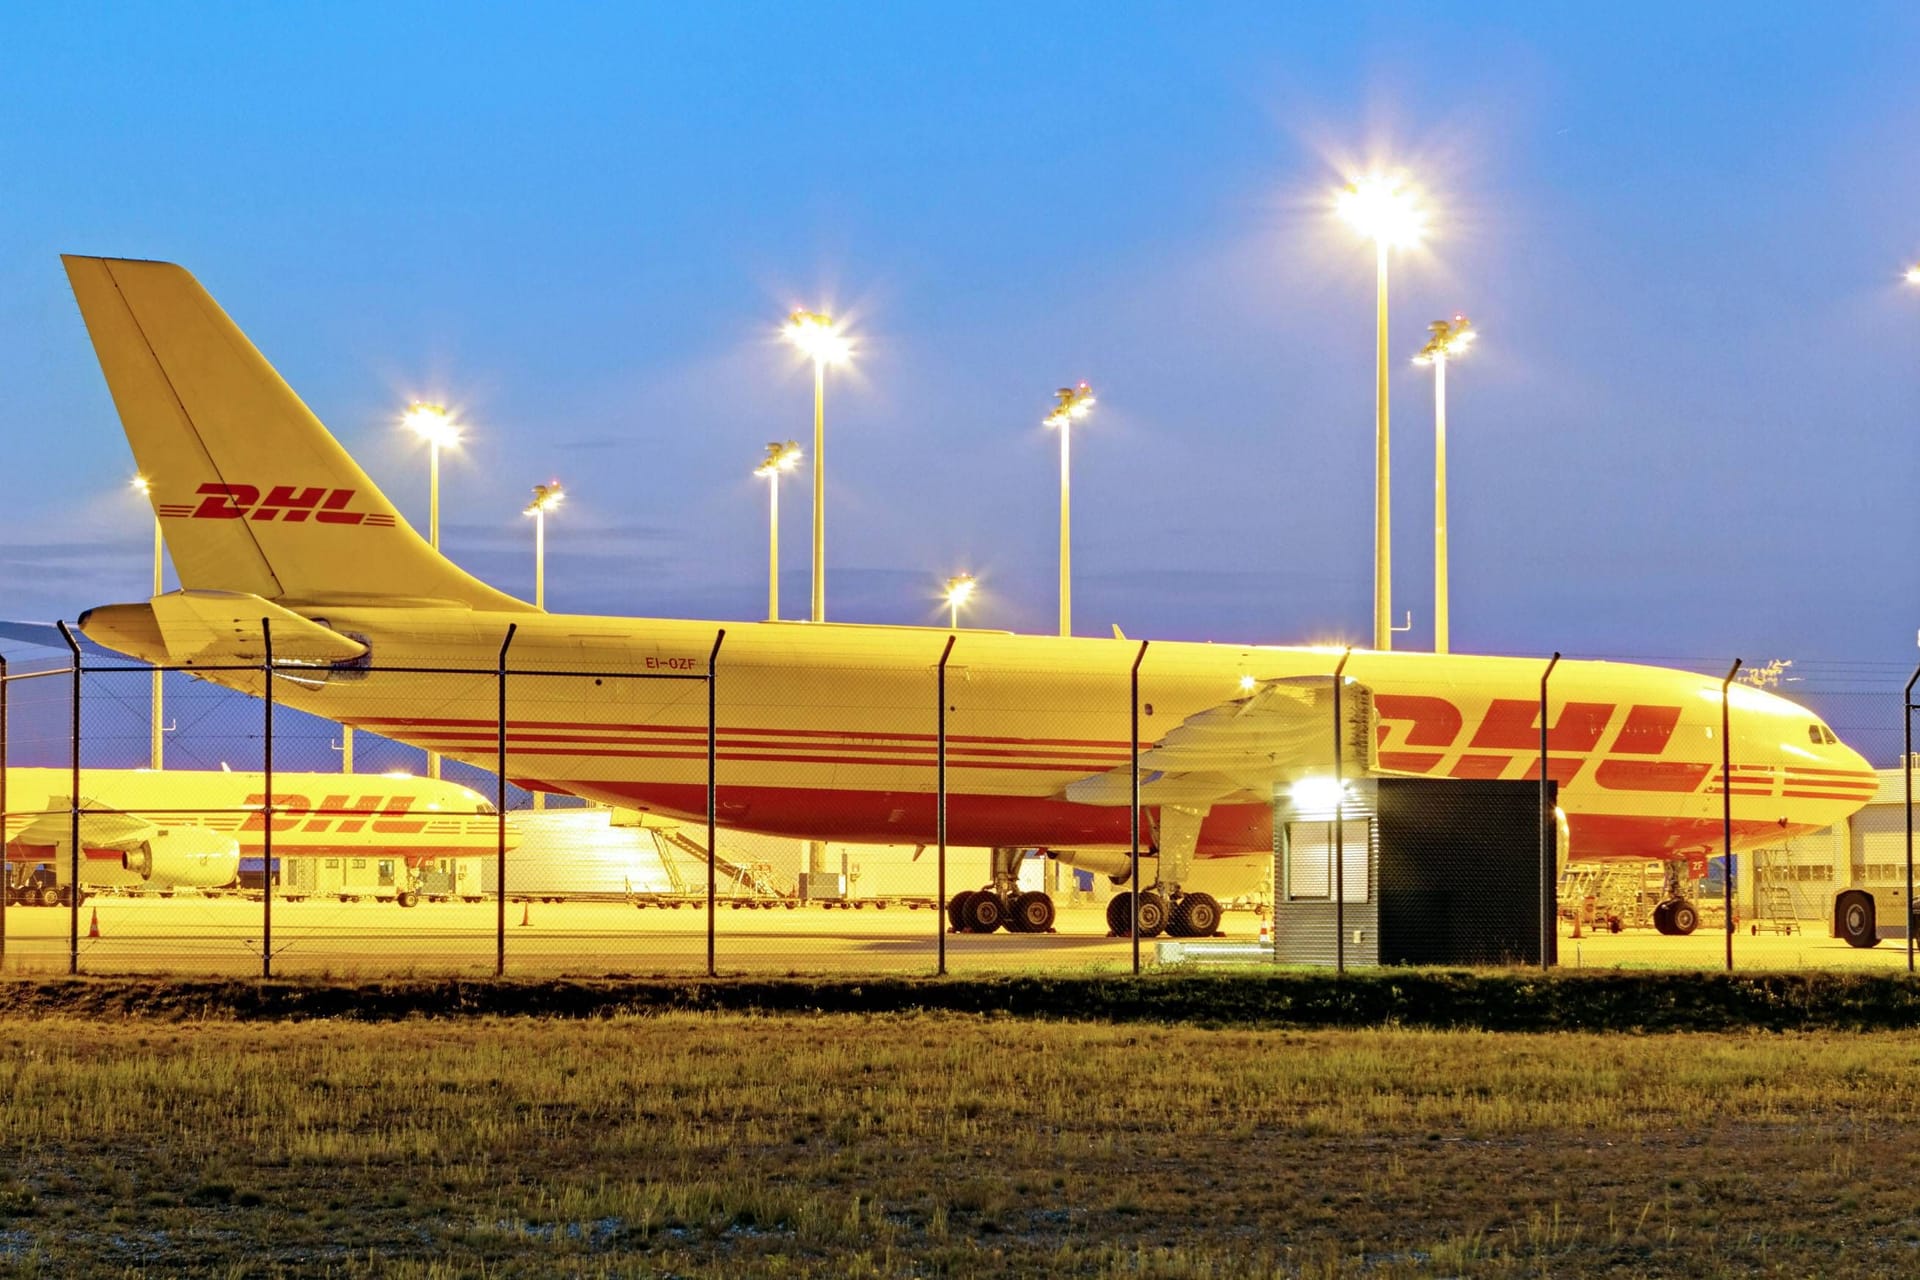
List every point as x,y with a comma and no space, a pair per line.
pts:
222,936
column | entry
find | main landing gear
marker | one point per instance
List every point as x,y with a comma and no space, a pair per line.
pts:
984,910
1002,903
1185,915
1675,916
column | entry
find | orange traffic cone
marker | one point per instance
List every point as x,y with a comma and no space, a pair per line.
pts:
526,914
93,928
1266,932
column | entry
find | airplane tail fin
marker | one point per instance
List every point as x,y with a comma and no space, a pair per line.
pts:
252,492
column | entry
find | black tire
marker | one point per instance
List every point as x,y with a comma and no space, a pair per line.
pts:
1683,919
985,913
1032,913
1120,915
1663,918
1854,919
50,896
957,910
407,898
1153,915
1199,915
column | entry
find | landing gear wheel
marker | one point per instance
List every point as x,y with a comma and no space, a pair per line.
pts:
407,898
985,913
1663,917
1153,915
1195,916
1683,919
1120,915
957,910
1854,919
1032,913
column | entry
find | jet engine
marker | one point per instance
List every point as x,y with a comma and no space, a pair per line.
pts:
184,857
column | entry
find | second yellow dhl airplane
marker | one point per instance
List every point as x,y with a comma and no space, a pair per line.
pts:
828,731
150,830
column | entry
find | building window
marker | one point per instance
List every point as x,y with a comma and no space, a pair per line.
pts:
1310,857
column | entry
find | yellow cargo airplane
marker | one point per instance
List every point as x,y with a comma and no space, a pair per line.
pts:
828,731
157,831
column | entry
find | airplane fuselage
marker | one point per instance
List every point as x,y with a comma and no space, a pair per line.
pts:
830,731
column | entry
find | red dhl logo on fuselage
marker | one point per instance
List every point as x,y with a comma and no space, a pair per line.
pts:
293,812
289,503
1510,731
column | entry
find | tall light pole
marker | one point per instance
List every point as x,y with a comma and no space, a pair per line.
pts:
1074,404
545,498
1383,209
432,423
156,751
1451,338
780,459
823,342
959,590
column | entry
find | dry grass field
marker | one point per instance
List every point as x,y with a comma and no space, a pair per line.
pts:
946,1145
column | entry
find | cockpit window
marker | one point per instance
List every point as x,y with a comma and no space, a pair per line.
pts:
1813,735
1820,735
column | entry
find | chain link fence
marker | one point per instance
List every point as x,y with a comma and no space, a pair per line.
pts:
942,812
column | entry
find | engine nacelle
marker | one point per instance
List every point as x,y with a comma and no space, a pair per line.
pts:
185,857
1116,865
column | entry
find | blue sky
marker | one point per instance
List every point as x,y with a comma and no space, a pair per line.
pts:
1687,433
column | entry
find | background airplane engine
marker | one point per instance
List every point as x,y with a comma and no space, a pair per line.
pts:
185,857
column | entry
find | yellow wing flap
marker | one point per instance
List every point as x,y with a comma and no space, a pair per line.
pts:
1280,731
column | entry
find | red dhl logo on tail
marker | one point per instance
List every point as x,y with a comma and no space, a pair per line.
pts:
290,503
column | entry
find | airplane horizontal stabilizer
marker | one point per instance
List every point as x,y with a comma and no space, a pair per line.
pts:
207,627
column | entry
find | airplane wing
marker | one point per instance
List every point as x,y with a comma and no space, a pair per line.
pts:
100,826
1280,731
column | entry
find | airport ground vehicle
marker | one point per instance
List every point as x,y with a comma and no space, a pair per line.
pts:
823,728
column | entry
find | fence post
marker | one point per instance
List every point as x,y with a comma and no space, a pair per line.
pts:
500,818
940,814
1340,817
713,757
73,816
1726,804
1133,825
266,827
6,869
1907,772
1549,899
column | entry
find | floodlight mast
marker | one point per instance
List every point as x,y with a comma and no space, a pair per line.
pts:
1450,338
780,458
959,590
1073,405
432,423
156,750
821,340
545,498
1385,210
